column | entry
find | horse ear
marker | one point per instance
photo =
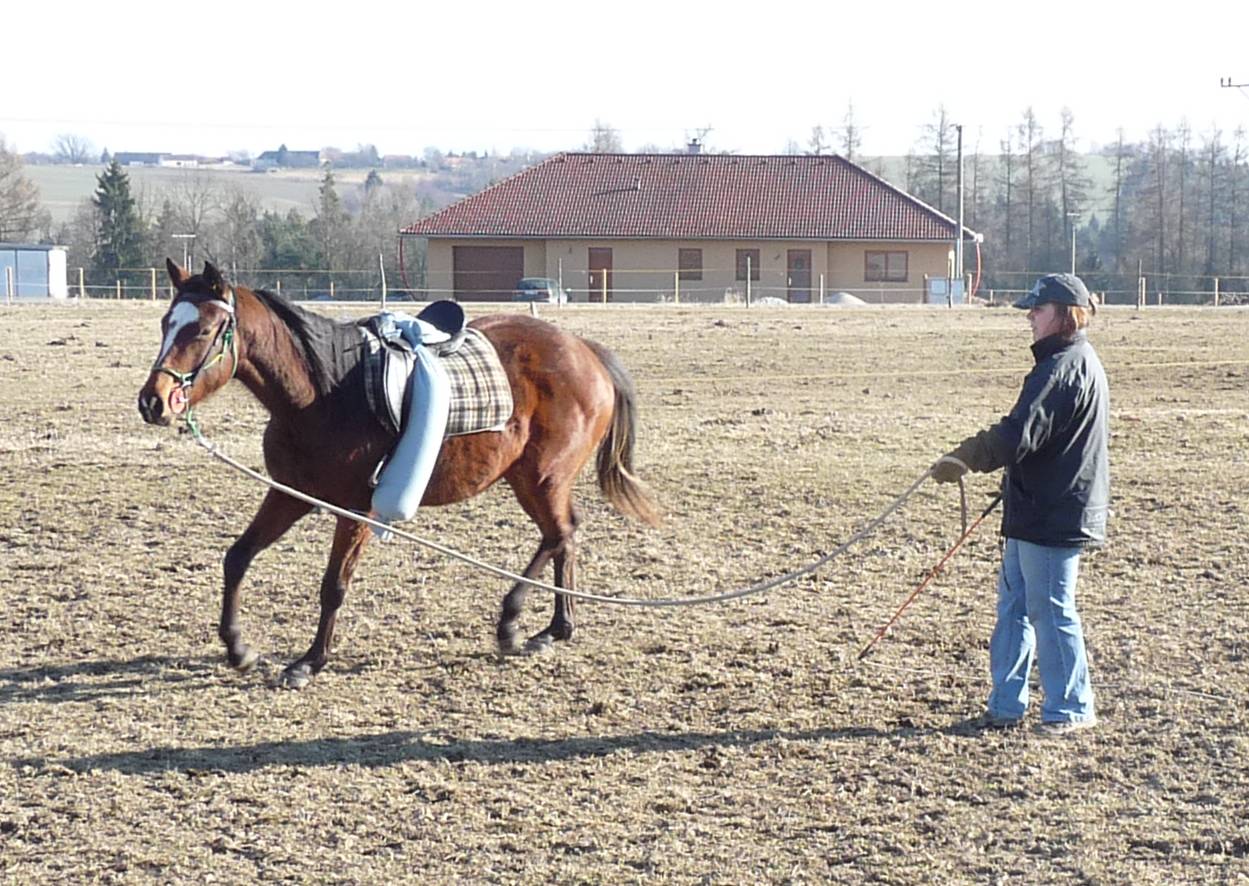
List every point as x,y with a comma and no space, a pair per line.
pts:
176,274
213,278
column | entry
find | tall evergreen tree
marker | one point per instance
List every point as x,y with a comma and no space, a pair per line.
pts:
118,235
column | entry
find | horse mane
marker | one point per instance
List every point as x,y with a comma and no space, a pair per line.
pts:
330,348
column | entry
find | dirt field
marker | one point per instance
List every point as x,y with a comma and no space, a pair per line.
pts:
727,744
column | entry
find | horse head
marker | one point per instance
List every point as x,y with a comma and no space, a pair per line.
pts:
199,348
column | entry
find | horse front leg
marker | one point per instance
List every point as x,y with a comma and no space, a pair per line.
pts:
350,538
277,513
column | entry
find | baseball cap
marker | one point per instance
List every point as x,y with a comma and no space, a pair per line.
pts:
1063,289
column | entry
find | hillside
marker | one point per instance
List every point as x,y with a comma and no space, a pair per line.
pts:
63,188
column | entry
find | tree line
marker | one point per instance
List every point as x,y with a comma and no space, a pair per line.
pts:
1169,208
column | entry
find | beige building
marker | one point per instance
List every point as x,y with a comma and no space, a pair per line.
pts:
691,227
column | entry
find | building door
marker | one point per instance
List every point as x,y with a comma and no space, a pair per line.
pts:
600,273
487,273
798,271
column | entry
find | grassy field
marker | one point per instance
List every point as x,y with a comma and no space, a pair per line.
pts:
64,188
728,744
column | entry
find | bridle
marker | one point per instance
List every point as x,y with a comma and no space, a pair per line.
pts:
227,337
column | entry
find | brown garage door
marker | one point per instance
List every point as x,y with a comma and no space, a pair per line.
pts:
487,273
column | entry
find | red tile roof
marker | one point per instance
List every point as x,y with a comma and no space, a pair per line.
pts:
691,196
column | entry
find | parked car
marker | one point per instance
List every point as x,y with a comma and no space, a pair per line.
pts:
541,289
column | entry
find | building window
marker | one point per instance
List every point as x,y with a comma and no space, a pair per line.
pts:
742,256
690,264
885,267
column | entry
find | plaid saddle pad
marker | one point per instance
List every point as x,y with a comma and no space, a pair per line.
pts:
481,395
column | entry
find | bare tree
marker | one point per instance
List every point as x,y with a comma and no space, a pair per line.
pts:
936,173
21,215
1033,183
604,139
1184,140
975,204
196,201
1073,182
1212,157
1120,160
1234,175
70,148
850,133
816,143
1007,173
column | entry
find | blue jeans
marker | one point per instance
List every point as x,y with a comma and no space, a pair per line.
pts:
1036,617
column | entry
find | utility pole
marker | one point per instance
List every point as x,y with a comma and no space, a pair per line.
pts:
958,237
186,239
1071,220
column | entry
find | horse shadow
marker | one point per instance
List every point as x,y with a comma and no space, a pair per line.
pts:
385,749
104,678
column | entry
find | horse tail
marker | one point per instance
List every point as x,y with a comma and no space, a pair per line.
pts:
615,453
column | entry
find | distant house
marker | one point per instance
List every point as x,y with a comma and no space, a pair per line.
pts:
283,158
135,158
32,271
181,161
637,227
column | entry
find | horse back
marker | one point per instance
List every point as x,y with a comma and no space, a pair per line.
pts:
563,398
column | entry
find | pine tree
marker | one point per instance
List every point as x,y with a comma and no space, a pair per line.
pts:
331,227
118,236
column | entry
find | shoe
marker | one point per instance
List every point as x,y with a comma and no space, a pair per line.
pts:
1065,727
992,721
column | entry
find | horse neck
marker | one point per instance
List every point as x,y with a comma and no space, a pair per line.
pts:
271,365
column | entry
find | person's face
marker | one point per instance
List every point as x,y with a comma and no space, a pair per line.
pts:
1044,320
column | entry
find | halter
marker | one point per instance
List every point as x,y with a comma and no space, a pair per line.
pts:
227,336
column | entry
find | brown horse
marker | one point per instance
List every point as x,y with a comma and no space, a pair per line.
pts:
570,395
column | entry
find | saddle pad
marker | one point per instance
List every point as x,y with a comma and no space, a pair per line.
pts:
481,395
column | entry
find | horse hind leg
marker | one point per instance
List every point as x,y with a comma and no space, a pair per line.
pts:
507,629
562,621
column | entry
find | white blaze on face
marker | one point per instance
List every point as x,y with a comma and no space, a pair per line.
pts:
183,314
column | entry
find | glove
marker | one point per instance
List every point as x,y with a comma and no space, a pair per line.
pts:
948,469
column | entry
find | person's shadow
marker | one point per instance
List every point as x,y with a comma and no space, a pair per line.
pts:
62,683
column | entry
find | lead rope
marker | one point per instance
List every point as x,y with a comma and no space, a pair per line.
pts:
757,588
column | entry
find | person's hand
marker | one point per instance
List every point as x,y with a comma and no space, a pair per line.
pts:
948,469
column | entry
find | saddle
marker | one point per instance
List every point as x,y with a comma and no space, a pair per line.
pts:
481,395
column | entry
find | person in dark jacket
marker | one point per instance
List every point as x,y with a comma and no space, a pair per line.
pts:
1055,495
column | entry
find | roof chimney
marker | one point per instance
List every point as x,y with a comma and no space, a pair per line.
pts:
694,147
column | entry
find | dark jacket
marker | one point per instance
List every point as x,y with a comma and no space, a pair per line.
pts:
1053,444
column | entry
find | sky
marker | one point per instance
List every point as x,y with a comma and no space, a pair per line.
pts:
210,78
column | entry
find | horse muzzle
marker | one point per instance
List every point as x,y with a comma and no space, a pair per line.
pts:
159,408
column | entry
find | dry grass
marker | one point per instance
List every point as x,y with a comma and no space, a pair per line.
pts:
721,745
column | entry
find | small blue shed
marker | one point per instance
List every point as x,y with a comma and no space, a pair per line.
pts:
32,271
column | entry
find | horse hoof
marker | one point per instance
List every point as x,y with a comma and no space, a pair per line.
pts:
295,677
508,649
539,644
245,661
